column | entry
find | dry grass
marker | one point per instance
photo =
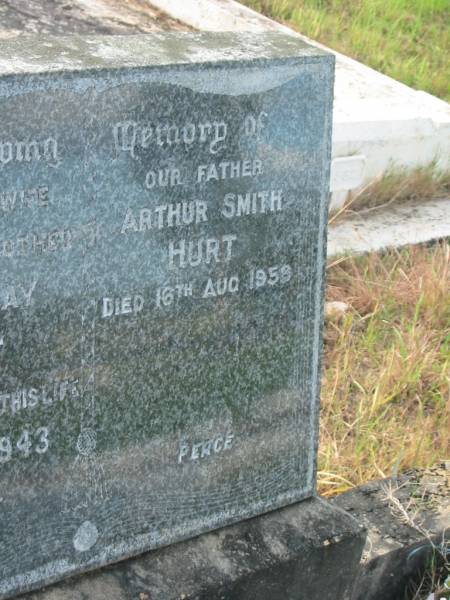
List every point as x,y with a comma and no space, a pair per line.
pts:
386,384
395,186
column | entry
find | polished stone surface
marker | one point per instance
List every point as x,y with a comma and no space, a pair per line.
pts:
163,205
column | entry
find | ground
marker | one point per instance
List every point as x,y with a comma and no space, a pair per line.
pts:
386,384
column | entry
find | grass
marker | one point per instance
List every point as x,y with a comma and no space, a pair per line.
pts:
396,186
406,39
386,384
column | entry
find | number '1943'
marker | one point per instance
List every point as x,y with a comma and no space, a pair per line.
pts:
26,444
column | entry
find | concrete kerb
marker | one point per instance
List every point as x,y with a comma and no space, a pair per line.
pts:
407,519
398,225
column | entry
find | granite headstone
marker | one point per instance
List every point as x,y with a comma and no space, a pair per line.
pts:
163,204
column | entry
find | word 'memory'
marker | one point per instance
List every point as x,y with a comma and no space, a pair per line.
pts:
229,169
189,451
11,200
129,135
29,151
165,215
192,253
25,398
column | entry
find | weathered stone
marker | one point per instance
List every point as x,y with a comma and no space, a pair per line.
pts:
407,520
307,551
62,17
162,226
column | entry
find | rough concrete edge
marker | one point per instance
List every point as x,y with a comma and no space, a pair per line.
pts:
407,518
399,225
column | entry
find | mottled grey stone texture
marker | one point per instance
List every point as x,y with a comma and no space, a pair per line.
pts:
309,551
67,17
163,205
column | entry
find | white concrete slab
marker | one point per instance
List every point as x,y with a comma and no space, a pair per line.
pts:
397,225
347,171
376,118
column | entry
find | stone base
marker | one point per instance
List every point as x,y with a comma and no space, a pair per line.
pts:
307,551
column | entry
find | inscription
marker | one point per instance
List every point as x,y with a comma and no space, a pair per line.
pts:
163,178
204,250
252,203
168,295
29,151
28,198
28,442
229,169
220,287
165,215
255,124
270,276
128,305
37,243
31,397
53,241
194,451
130,135
15,296
193,212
